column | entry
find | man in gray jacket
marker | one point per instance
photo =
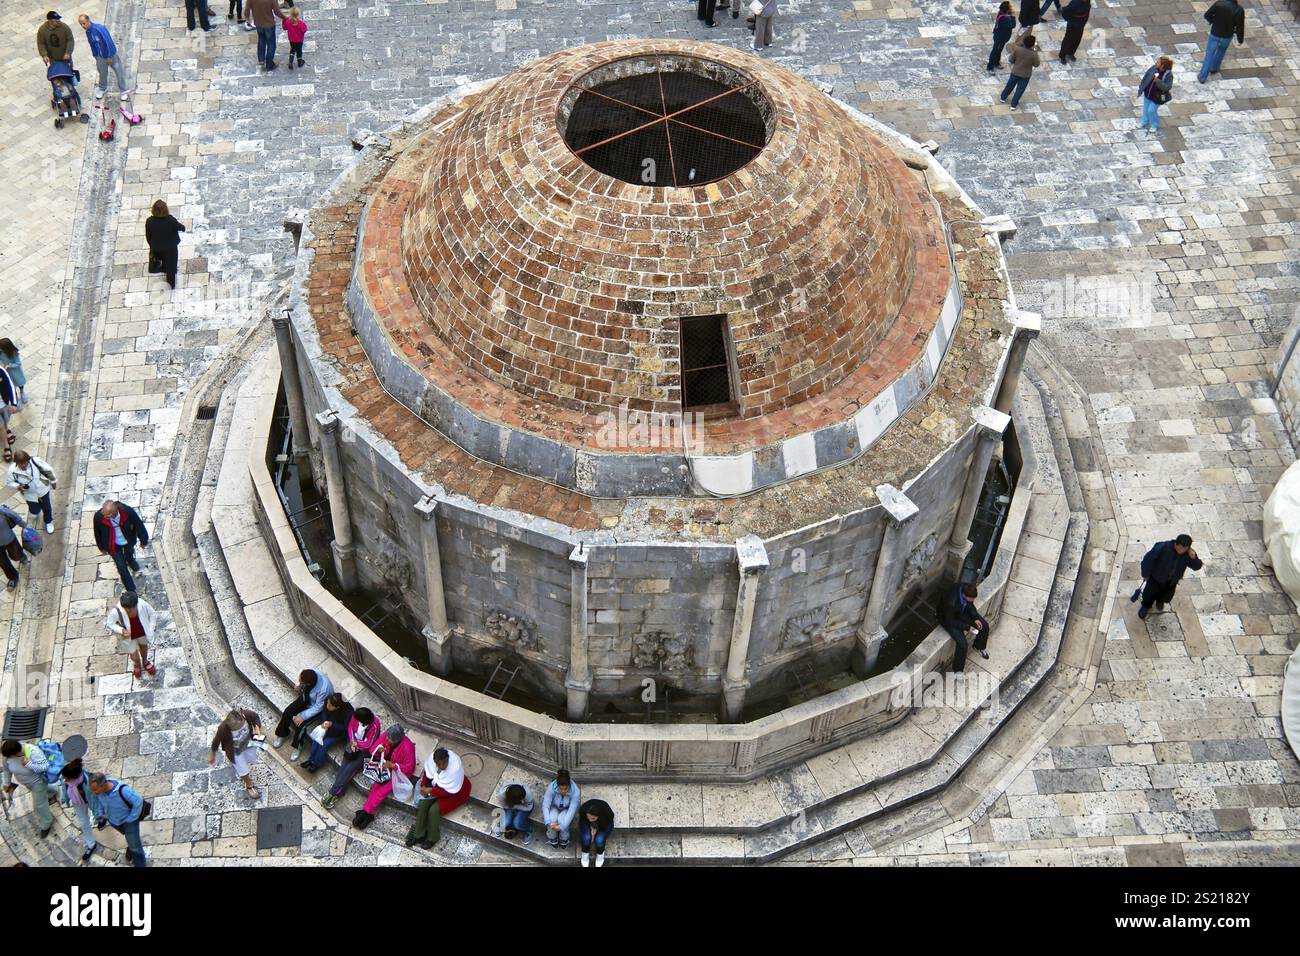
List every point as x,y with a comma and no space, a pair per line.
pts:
26,764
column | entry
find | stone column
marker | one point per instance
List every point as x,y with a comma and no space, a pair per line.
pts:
899,509
752,557
1028,325
345,560
577,683
292,391
989,426
437,634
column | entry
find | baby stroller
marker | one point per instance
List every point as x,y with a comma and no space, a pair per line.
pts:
64,98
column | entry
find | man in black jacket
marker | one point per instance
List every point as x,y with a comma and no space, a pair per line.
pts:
961,619
117,531
1225,17
1162,568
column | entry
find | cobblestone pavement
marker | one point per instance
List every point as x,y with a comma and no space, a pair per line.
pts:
1164,267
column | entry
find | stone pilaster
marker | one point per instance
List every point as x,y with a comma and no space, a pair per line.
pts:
577,683
752,557
292,391
989,426
1028,326
899,510
345,560
437,633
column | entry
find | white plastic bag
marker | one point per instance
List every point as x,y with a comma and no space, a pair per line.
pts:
403,788
318,734
756,8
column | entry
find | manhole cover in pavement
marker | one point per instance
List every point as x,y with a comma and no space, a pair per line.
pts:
472,763
1164,626
279,826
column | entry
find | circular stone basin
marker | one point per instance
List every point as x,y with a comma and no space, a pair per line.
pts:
666,121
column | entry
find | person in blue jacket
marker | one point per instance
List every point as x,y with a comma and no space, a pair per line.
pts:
559,807
312,690
121,808
104,51
1004,24
1162,568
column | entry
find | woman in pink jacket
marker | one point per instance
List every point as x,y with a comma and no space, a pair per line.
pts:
295,27
361,738
395,751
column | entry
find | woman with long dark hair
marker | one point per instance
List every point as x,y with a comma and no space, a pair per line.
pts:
1004,24
163,233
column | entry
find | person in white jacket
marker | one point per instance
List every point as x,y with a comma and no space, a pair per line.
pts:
133,619
34,479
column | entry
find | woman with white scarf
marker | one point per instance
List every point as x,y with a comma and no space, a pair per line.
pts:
442,788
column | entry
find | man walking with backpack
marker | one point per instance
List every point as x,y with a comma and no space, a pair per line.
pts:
28,765
121,808
1225,17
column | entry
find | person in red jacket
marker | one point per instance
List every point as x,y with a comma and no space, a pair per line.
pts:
295,27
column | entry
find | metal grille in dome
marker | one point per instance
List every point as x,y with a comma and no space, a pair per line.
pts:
666,127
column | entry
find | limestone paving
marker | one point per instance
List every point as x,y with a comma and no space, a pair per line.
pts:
1163,266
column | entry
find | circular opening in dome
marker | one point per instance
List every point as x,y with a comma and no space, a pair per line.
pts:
666,121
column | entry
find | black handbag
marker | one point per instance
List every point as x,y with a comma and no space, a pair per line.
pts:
145,809
155,264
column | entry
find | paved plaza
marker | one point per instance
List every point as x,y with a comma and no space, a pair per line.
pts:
1164,267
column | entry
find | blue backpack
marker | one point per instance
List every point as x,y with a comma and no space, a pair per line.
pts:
32,540
54,756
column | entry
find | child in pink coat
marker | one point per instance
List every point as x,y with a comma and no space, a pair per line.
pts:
296,29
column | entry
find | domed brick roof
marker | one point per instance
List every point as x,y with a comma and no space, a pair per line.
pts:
554,270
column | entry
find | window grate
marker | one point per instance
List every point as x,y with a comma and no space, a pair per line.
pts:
668,126
706,370
24,724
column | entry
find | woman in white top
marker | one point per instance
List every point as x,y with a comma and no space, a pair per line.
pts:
34,479
133,619
234,737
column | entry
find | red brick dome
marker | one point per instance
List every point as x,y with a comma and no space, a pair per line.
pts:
538,253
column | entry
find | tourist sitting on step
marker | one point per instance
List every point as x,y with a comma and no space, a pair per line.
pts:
595,824
516,805
559,807
961,619
332,728
361,738
441,789
309,700
393,753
